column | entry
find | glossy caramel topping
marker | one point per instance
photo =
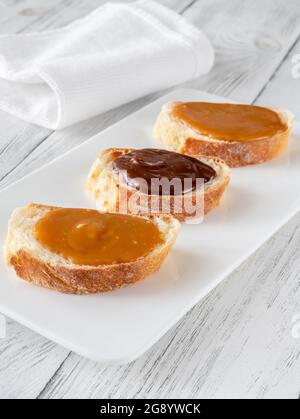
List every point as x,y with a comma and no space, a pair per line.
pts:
149,163
230,122
87,237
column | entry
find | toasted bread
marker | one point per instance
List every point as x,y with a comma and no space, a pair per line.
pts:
178,136
38,265
108,191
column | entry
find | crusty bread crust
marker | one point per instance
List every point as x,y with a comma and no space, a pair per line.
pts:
181,138
110,194
77,279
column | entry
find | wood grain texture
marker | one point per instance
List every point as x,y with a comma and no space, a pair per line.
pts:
235,343
27,362
249,48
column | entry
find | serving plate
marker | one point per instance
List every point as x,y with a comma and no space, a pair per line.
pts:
119,326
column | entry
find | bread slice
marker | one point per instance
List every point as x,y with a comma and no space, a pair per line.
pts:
178,136
108,192
39,266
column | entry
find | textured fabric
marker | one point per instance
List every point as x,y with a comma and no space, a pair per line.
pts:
118,53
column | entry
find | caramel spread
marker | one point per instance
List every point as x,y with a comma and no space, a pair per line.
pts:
230,122
148,164
87,237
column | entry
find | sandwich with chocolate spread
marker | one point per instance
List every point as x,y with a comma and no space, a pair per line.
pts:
240,135
151,181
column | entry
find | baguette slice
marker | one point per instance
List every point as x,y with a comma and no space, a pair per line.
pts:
178,136
40,266
106,189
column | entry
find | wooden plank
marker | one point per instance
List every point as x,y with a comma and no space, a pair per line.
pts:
34,15
27,360
249,47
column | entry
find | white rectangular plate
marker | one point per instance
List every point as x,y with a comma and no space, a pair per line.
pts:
119,326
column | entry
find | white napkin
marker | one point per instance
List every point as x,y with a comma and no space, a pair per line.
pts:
118,53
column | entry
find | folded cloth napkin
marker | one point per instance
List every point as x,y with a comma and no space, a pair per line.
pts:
118,53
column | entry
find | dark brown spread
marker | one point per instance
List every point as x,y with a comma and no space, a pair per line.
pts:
147,164
229,122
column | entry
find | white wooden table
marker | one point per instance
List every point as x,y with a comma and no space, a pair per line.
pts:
238,342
